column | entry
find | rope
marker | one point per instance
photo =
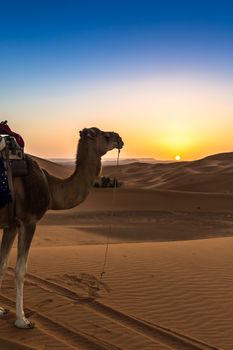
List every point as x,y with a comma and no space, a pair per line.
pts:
111,219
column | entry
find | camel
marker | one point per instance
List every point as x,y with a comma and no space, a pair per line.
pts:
39,191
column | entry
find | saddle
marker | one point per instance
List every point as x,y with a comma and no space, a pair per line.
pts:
6,130
12,151
12,164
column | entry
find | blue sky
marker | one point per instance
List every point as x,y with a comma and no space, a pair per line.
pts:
93,34
53,51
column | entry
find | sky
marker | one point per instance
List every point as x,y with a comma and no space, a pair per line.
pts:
160,73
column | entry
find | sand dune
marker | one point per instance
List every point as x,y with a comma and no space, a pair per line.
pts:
153,296
168,278
211,174
53,168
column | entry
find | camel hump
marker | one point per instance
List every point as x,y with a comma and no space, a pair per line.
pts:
6,130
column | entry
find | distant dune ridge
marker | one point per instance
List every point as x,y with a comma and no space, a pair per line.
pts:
210,174
167,285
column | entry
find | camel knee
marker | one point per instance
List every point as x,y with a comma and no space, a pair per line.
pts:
3,265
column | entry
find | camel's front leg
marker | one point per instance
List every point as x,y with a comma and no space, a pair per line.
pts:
26,232
7,241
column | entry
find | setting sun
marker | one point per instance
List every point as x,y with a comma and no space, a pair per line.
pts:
178,157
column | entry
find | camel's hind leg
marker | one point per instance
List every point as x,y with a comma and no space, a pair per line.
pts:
7,242
26,232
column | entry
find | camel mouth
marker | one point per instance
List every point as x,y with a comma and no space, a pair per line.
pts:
114,139
120,144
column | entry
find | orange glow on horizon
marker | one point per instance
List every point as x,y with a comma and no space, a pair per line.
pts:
156,118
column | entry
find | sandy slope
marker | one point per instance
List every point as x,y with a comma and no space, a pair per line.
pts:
211,174
166,285
148,288
53,168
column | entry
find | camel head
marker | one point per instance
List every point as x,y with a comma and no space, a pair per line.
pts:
103,141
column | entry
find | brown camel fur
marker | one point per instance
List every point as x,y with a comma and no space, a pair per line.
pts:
39,191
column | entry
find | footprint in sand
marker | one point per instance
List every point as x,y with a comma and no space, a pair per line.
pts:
90,284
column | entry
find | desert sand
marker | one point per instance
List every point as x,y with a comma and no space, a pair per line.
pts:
168,281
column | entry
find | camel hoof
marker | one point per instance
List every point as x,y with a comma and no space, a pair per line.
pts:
24,324
3,312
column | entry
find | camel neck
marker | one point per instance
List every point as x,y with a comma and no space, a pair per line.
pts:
88,164
87,159
68,193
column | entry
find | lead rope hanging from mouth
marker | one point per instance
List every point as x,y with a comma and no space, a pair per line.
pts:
111,218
